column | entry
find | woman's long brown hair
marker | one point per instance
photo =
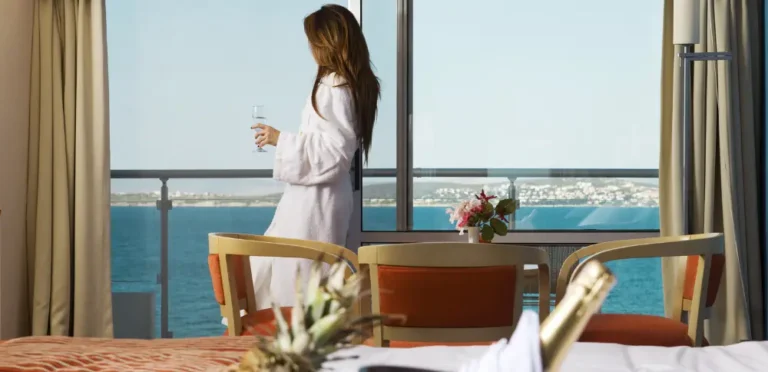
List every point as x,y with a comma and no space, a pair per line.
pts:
339,47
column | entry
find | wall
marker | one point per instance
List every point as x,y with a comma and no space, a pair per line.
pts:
15,54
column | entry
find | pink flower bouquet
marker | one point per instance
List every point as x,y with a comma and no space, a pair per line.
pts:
480,212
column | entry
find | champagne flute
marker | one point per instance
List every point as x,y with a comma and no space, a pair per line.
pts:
259,117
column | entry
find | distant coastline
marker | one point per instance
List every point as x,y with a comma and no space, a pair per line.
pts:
177,204
555,192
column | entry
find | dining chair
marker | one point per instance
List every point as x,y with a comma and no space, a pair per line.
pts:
684,327
450,293
230,271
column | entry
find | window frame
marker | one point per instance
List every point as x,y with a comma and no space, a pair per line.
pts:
404,168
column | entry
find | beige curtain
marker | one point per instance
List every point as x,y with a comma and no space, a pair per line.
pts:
68,193
723,192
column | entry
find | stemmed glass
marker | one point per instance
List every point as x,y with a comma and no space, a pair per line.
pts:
259,117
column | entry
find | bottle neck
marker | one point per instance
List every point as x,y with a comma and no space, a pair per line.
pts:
563,327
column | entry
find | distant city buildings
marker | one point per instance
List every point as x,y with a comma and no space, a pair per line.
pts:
575,193
539,192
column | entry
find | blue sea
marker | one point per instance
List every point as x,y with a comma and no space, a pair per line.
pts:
194,312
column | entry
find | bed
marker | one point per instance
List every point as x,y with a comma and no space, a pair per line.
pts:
211,354
50,353
584,357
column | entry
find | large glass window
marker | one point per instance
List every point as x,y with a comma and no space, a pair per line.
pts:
184,75
558,103
555,105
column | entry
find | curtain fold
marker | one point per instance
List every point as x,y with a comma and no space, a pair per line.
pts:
68,246
723,194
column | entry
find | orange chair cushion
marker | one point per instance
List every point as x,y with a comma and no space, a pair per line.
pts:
218,285
636,330
262,322
715,274
433,297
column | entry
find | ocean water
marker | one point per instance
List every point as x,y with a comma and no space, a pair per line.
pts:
194,312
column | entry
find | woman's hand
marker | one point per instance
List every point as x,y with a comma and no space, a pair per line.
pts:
266,136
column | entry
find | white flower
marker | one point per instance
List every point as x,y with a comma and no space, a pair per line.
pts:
462,212
458,213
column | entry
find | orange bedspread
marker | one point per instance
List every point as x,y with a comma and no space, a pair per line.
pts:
51,353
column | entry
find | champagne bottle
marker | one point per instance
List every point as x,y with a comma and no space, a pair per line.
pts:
584,296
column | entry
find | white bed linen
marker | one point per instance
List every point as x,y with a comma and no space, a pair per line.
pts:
743,357
587,357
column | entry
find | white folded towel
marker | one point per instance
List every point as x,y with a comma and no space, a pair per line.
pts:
522,353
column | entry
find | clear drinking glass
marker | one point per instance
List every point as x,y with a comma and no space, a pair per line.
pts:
259,118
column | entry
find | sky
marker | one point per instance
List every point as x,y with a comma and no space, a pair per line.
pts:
498,84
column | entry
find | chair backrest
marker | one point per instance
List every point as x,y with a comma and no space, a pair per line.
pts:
231,270
450,292
716,269
699,284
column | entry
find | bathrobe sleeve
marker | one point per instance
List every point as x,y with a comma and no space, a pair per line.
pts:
323,153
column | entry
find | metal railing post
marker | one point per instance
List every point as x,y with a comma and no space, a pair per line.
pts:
164,205
512,194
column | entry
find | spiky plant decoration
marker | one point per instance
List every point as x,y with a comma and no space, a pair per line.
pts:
321,323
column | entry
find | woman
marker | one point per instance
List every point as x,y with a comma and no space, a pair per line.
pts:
337,120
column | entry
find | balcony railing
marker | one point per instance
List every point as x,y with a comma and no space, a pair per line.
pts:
165,204
391,173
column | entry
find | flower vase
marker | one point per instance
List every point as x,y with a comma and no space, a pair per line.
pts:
473,233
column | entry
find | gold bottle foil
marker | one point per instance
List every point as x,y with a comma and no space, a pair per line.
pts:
584,296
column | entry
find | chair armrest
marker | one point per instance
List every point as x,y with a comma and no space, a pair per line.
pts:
264,246
672,246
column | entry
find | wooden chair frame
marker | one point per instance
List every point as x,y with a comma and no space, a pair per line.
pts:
456,255
227,245
701,245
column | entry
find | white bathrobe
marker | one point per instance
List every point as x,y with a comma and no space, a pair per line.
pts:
317,202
